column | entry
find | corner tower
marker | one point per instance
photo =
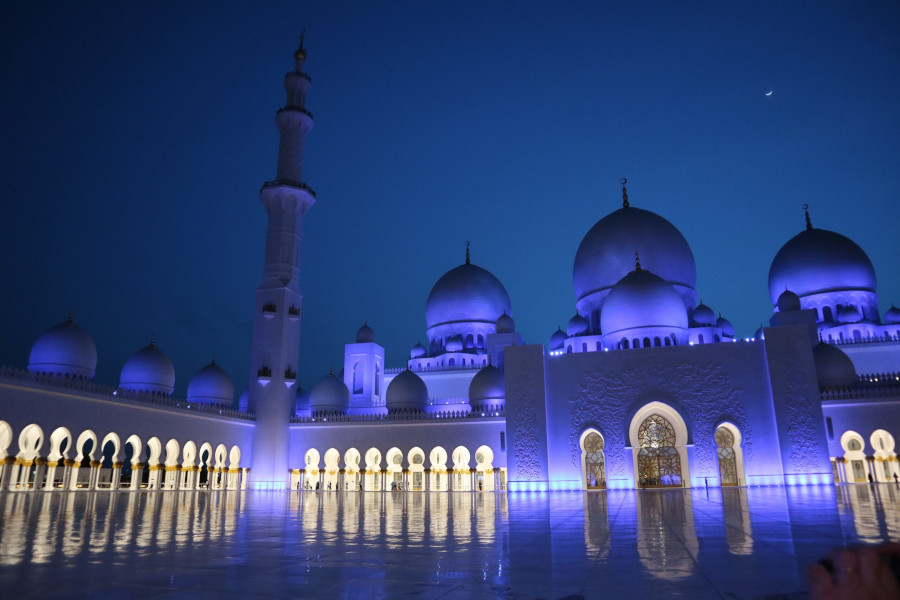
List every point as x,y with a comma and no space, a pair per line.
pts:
276,325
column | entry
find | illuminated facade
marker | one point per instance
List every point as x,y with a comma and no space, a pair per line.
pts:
645,388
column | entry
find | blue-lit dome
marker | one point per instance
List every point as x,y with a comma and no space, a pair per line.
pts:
455,344
833,366
365,335
506,324
418,351
817,261
725,325
407,391
557,339
488,385
465,296
849,314
642,299
788,301
210,385
892,316
329,395
606,255
703,316
66,351
577,325
148,370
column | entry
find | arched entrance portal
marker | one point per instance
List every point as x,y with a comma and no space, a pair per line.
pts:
593,462
659,437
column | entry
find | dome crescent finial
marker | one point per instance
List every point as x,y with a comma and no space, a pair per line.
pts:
300,52
71,315
637,262
625,203
152,340
468,261
806,214
213,358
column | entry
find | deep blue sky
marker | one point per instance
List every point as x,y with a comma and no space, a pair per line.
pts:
134,139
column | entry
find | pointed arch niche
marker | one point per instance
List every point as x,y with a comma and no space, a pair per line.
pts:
729,455
593,460
658,437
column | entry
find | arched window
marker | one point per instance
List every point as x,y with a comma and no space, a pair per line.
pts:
659,464
826,314
857,337
470,341
700,339
635,343
594,461
357,378
646,342
377,379
480,341
656,342
727,461
451,362
668,342
584,347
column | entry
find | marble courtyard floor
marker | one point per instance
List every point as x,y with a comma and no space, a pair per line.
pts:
724,543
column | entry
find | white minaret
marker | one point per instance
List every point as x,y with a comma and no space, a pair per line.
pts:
276,326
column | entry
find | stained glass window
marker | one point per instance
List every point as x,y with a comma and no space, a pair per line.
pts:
659,464
594,462
727,457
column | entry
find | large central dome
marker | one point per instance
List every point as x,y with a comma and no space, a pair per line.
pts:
466,300
606,255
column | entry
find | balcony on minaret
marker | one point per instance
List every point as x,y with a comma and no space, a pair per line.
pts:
291,183
264,375
269,310
289,377
293,313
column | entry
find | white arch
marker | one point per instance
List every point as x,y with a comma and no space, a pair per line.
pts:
30,441
6,436
395,468
189,454
83,437
885,457
234,457
855,457
484,469
116,442
206,448
332,469
311,469
173,450
59,435
351,469
415,458
221,456
681,436
373,469
136,447
462,480
438,461
154,449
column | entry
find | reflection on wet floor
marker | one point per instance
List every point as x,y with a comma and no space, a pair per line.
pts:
683,543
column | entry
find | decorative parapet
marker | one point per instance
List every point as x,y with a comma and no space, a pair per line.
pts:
112,394
290,183
436,369
403,416
862,393
872,339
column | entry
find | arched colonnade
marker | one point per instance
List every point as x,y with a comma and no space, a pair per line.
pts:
394,470
860,463
87,461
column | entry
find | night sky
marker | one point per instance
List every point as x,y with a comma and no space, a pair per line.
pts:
134,141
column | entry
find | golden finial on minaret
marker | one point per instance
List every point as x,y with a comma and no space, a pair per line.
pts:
152,340
331,370
637,261
468,261
213,359
300,53
71,315
624,194
806,213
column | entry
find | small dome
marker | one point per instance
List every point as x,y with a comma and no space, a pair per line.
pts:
407,390
365,335
760,333
725,325
577,325
833,366
211,385
703,316
148,370
892,316
788,301
817,261
329,395
65,350
302,400
642,299
558,339
455,344
487,386
418,351
505,324
849,314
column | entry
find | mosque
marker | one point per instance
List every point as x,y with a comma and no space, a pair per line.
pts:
645,388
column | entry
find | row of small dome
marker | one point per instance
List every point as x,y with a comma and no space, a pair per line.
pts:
67,351
701,316
406,391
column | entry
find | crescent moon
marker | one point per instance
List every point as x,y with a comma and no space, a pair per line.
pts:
770,92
